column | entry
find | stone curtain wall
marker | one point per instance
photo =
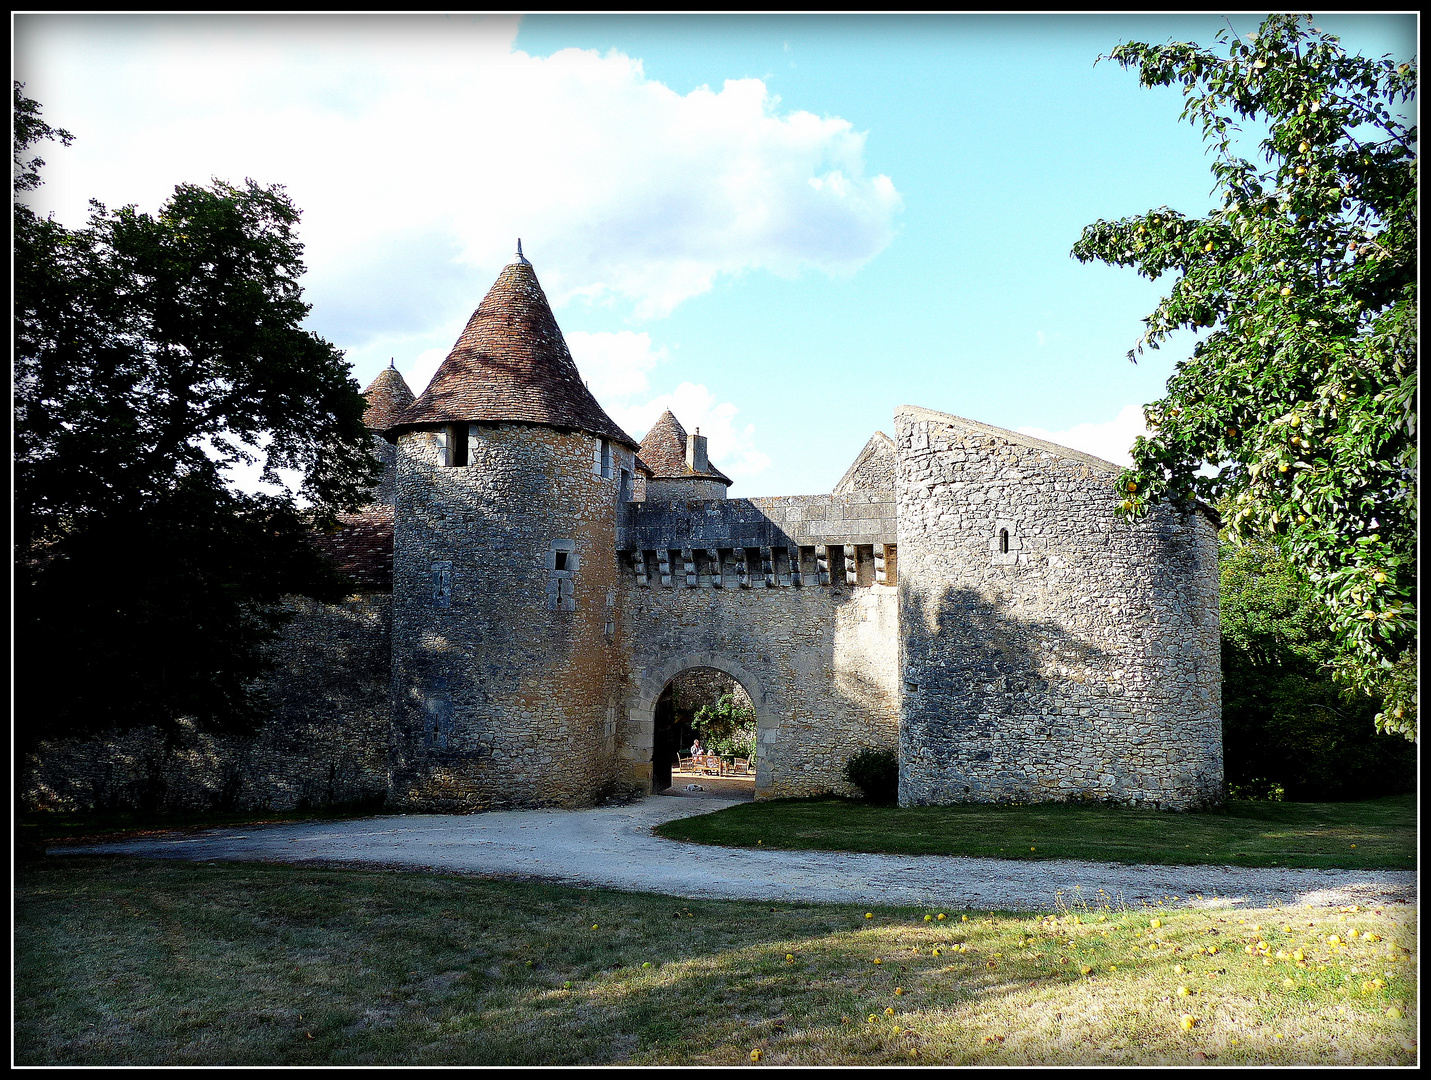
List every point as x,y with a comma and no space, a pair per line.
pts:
863,518
1051,650
506,647
325,745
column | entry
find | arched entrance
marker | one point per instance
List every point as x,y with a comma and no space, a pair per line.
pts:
650,732
677,709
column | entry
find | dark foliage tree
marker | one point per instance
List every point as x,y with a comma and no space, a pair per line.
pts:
1301,391
152,351
1287,725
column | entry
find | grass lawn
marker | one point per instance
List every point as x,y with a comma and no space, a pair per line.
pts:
128,961
1378,834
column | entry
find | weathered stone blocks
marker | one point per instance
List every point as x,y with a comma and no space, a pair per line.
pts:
1044,603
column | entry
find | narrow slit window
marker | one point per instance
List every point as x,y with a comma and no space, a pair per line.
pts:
1003,541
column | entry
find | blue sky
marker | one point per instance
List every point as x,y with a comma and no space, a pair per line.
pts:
780,227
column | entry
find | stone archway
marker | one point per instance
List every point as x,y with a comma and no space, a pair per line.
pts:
641,708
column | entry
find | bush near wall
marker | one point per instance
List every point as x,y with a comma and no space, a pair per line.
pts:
875,771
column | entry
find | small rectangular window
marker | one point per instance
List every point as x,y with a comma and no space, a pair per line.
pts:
605,459
442,584
459,445
561,560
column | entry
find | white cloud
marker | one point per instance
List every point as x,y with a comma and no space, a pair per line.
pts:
420,148
1110,440
424,367
732,446
615,365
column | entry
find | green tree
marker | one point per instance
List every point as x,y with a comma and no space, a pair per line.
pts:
29,130
1287,725
152,351
727,726
1301,390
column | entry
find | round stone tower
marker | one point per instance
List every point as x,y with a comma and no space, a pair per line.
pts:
509,480
681,470
388,397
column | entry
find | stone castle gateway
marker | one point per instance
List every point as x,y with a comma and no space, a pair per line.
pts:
531,579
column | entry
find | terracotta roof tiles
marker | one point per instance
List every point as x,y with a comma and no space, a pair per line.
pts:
511,363
362,548
389,396
663,450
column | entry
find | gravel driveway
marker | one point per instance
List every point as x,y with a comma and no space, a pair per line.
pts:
612,847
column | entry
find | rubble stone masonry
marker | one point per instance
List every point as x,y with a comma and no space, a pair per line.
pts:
506,664
325,745
1051,649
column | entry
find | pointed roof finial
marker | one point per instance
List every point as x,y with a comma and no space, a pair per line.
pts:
392,362
520,257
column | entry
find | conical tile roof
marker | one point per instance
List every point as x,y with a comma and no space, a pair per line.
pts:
664,450
389,396
511,364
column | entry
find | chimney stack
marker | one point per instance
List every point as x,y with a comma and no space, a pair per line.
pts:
696,458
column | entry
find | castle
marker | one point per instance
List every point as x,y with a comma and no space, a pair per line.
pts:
530,580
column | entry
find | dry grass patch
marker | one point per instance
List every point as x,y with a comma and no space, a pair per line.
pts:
147,962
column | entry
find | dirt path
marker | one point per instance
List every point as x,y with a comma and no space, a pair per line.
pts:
612,847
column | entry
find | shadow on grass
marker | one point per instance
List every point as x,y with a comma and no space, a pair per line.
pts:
106,826
124,961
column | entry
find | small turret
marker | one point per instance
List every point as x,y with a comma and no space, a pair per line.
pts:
388,397
680,466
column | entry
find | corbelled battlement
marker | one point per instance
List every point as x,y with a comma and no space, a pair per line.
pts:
784,521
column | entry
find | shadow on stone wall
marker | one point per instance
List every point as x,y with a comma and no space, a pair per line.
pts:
973,652
323,747
997,706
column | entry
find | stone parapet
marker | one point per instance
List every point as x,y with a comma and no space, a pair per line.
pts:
783,521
